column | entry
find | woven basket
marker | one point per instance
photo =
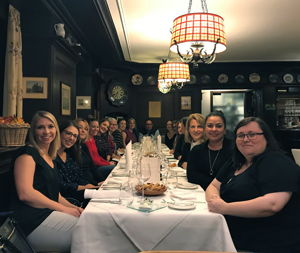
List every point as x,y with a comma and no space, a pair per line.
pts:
13,134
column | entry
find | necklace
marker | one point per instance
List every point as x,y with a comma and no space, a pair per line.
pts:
211,172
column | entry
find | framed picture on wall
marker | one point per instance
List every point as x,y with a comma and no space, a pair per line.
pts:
186,103
65,99
35,87
83,102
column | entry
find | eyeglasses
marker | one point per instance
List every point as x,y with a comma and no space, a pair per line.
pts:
69,134
251,136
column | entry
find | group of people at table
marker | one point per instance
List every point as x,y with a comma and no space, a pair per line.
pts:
248,179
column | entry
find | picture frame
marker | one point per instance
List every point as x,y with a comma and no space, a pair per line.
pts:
154,109
83,102
186,103
35,87
65,99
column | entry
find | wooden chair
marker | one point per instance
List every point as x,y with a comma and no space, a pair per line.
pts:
296,154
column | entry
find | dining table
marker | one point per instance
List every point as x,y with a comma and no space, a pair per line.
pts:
106,226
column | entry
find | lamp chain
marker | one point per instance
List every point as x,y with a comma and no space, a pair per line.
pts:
203,4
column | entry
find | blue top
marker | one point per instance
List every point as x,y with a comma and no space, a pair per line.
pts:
70,175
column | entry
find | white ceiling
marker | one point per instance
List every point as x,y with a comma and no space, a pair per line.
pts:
256,30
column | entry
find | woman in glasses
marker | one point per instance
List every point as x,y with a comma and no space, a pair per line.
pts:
68,160
258,192
205,160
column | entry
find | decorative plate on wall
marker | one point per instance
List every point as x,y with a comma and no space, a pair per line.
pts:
193,79
254,78
223,78
205,79
137,79
273,78
288,78
239,78
152,80
298,78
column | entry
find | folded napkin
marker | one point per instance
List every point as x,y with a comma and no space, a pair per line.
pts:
100,194
159,142
128,157
182,194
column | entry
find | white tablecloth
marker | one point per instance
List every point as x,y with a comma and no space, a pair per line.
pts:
113,228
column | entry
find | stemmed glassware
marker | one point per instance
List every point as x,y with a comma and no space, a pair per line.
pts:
145,174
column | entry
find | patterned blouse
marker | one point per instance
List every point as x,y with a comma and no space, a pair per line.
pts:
118,139
70,175
103,146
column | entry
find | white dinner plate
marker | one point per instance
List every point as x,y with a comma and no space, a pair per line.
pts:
119,174
182,205
186,185
177,169
110,186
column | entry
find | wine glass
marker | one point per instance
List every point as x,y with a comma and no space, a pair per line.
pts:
145,174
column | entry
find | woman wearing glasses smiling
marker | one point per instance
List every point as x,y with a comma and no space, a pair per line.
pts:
258,192
68,160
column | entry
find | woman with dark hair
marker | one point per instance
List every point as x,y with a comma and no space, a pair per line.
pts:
104,167
179,141
193,136
206,159
68,161
101,140
130,133
170,135
258,192
46,218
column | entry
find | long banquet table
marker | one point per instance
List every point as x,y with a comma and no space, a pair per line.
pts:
106,227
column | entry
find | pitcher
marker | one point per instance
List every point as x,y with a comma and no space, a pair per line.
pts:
60,30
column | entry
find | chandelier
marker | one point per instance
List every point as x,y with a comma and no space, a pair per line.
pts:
172,73
198,36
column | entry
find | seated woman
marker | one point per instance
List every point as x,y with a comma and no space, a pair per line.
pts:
104,167
170,135
258,192
101,140
68,160
206,159
121,128
46,217
194,135
179,140
118,138
87,166
113,146
130,134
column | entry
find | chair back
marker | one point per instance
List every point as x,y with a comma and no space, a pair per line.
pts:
296,154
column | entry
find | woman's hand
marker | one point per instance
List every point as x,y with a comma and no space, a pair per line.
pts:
171,151
75,211
100,183
112,163
184,165
216,205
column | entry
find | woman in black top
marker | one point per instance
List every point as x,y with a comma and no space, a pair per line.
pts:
206,159
170,135
194,135
179,140
258,192
45,216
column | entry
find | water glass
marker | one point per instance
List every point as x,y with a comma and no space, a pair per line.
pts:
126,194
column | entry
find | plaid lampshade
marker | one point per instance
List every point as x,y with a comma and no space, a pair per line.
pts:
174,72
204,28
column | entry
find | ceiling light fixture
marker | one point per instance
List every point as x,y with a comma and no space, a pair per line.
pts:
198,36
172,73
